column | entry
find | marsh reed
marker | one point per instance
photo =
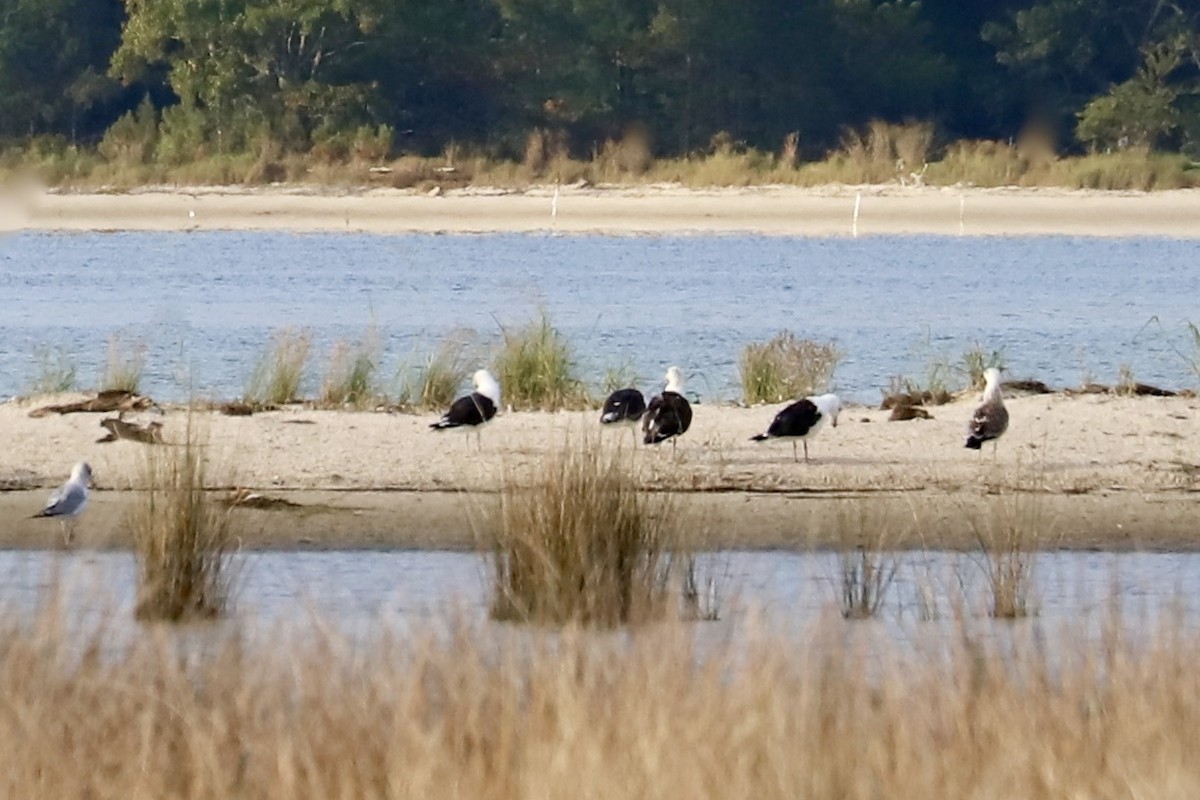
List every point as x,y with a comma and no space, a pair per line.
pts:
464,711
182,536
574,539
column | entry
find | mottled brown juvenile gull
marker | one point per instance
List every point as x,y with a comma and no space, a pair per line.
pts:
990,420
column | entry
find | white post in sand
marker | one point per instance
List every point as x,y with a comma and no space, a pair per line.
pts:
857,206
554,208
962,213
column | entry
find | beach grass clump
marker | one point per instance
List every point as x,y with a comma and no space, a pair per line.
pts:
124,366
787,367
536,370
56,371
976,360
350,374
575,541
279,373
182,536
1009,530
446,369
867,564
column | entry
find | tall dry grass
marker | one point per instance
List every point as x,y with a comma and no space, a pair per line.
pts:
471,714
124,365
181,535
279,373
446,369
787,367
536,369
350,374
574,540
1010,528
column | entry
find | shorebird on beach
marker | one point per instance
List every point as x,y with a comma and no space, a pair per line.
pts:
471,412
990,420
669,414
623,405
801,420
68,501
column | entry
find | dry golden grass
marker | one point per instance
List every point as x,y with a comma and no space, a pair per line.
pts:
786,368
483,715
181,535
575,540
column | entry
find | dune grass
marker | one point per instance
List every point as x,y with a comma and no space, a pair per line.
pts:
124,365
786,368
436,384
469,714
574,540
535,368
350,374
878,152
56,371
976,360
279,374
181,535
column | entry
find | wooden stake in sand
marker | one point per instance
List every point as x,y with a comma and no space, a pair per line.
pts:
857,206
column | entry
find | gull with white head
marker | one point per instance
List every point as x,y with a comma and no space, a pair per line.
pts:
990,420
68,501
801,420
669,414
471,412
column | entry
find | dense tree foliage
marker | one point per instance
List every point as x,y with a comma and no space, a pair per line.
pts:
369,77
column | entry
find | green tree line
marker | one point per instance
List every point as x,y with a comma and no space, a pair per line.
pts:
176,80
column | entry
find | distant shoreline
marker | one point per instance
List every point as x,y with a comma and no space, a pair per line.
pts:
626,210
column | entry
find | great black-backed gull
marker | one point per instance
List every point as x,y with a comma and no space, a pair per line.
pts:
473,411
669,414
801,420
990,420
623,405
69,500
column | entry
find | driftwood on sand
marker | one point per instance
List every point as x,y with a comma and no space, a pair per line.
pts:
104,402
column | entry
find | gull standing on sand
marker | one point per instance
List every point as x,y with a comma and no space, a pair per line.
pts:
623,405
471,412
68,501
801,421
669,414
990,420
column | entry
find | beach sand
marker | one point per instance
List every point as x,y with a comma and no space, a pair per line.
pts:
826,211
1093,471
1086,471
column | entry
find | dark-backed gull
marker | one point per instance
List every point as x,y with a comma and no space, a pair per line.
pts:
801,420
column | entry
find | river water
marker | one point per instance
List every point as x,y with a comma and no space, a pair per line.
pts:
781,593
205,304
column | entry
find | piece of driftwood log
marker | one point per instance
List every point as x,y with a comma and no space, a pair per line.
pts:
246,498
104,402
906,412
1028,386
150,433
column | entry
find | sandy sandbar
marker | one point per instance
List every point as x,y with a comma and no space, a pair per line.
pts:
782,210
1094,471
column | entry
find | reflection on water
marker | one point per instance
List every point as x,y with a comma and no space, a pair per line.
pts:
205,303
761,593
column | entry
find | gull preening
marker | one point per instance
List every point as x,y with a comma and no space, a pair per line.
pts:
623,405
669,414
990,420
471,412
68,501
801,420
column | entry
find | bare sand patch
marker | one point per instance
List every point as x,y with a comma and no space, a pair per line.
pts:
1112,472
782,210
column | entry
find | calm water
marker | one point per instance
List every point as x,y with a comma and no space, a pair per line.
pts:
206,303
786,592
